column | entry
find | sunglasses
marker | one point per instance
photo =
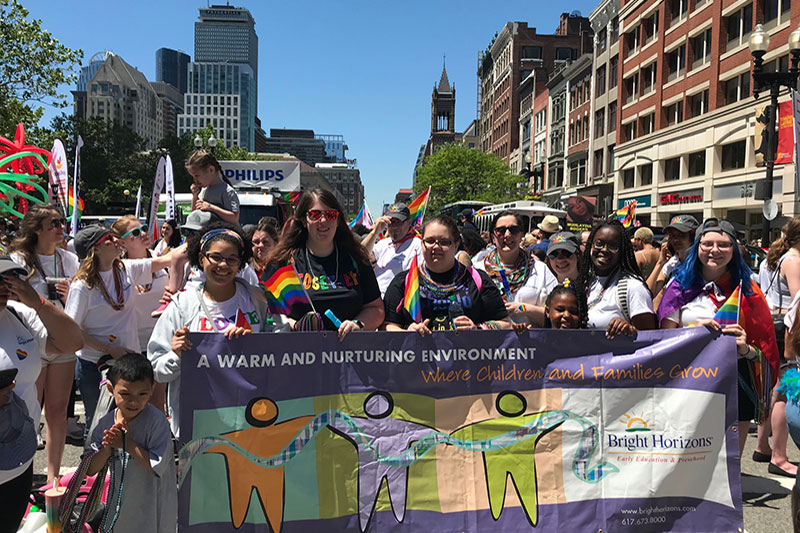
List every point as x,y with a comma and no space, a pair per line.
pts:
104,238
316,214
501,230
560,254
58,223
136,231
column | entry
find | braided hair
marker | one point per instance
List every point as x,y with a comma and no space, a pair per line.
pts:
576,289
627,258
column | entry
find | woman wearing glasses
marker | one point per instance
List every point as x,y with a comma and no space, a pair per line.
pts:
37,249
101,301
523,282
333,267
451,295
563,256
619,302
222,303
712,270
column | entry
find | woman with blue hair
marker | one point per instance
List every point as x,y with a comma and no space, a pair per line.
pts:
712,271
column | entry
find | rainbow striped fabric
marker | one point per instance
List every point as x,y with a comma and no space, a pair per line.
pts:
283,290
411,297
479,212
728,313
626,215
417,208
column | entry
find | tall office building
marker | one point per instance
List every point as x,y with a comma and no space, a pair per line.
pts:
172,67
222,79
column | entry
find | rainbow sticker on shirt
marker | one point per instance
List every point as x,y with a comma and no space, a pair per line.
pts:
21,354
112,338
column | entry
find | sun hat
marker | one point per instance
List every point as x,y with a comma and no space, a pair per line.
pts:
549,224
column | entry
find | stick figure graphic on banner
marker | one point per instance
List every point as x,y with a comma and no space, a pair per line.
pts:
265,438
389,437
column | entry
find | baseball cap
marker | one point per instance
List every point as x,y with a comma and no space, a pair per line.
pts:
88,237
197,220
717,225
683,223
399,211
8,265
467,212
564,240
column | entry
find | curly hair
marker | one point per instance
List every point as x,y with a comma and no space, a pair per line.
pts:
627,257
195,246
27,237
576,289
791,232
295,233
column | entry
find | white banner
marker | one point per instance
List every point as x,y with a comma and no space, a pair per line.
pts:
796,117
170,212
59,176
138,212
158,186
75,188
283,175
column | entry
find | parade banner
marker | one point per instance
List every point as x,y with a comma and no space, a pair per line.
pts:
785,150
59,176
471,431
170,180
158,186
580,213
75,196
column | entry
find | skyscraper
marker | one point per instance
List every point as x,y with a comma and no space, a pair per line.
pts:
222,79
172,67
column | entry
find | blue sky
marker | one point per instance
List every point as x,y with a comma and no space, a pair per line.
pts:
363,69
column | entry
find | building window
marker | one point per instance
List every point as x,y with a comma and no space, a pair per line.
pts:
733,155
648,75
739,24
773,8
631,88
737,88
677,10
601,41
600,81
629,131
599,123
597,163
698,103
676,63
672,169
674,113
531,52
701,48
697,163
628,178
610,168
648,124
565,54
632,40
650,27
612,117
646,174
614,29
612,72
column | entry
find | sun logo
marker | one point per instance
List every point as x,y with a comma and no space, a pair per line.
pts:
635,423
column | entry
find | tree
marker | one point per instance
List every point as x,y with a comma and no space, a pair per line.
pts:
456,173
33,64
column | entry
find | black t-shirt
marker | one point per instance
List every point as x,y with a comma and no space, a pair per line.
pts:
344,294
442,306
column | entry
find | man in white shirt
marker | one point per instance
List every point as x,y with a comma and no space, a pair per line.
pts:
393,254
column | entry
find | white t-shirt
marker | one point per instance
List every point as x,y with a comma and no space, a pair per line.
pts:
537,286
90,310
224,314
670,266
21,347
66,267
701,308
604,305
160,247
391,260
145,302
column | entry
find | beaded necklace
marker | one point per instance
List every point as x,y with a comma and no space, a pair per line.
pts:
596,300
124,457
120,303
517,274
442,290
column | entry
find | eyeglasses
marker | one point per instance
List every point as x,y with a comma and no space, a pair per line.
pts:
58,222
136,231
721,246
501,230
443,243
600,245
316,214
217,259
560,254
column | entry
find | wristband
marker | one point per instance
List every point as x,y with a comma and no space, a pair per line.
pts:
41,305
358,323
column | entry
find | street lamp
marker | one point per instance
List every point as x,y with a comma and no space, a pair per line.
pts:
759,44
198,142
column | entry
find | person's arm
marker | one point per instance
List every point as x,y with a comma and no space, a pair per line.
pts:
371,315
368,240
172,260
161,349
791,271
224,214
195,188
656,280
98,460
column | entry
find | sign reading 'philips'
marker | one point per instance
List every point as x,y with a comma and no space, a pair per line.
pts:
285,175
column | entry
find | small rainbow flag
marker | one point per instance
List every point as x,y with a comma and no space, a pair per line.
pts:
241,320
479,212
411,297
417,208
283,290
728,313
71,203
626,215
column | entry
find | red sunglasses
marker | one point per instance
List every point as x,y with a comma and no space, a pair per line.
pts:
316,214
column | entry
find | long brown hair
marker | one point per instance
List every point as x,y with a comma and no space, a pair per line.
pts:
295,233
27,239
89,271
791,237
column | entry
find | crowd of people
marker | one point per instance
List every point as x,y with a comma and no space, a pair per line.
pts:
112,316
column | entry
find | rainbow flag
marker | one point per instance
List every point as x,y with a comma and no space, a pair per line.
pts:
71,199
411,297
479,212
626,215
728,313
283,290
417,208
362,217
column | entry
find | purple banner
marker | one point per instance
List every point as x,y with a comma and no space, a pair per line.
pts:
471,431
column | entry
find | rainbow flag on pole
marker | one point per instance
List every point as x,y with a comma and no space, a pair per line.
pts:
626,215
362,217
283,290
728,313
411,297
417,208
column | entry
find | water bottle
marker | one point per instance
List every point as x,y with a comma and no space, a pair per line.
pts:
34,523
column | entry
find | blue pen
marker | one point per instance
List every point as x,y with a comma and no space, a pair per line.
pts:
333,318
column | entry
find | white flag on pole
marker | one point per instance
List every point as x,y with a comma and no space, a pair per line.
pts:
59,176
138,212
170,206
158,186
76,178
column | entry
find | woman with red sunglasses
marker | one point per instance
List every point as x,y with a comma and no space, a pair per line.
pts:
332,265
